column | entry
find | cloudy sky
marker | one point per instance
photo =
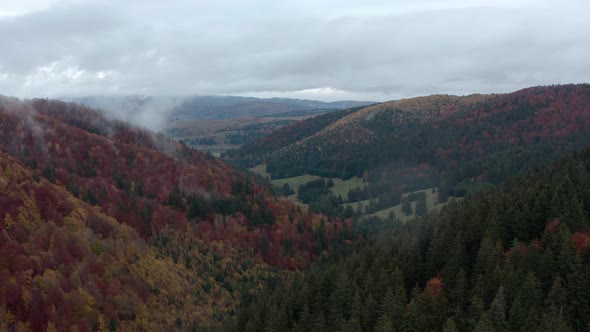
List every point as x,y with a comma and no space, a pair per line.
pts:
328,50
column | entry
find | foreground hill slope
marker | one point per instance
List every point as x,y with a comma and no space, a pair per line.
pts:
104,226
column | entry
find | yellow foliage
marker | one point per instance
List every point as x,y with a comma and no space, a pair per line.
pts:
96,247
102,324
6,319
73,224
51,327
89,301
27,296
8,174
28,214
8,222
22,327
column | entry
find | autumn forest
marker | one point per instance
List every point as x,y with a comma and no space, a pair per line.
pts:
437,213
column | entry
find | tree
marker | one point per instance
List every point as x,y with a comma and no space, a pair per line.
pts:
421,208
450,326
524,307
49,173
484,325
442,194
369,314
497,312
407,208
384,324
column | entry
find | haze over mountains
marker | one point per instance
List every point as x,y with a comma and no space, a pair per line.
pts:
155,111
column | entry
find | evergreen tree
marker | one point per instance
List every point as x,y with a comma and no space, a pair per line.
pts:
497,312
579,295
523,312
443,193
384,324
484,325
318,323
369,314
407,208
421,207
450,326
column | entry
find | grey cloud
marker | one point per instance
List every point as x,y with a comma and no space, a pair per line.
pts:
382,49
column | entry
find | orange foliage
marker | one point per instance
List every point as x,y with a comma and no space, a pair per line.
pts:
435,287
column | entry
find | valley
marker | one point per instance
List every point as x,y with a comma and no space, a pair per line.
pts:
212,123
294,166
218,136
146,233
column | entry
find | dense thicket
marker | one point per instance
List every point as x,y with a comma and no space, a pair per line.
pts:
515,258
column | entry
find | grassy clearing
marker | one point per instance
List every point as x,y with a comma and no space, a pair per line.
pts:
296,181
397,210
355,205
261,170
431,203
341,187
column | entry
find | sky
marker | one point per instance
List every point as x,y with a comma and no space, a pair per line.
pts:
325,50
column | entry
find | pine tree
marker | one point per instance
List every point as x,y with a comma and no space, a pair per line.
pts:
484,325
387,305
416,315
455,262
524,306
497,312
450,326
318,323
421,207
369,315
457,293
443,193
407,208
384,324
306,320
579,296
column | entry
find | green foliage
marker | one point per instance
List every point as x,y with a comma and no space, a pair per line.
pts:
462,145
407,208
463,273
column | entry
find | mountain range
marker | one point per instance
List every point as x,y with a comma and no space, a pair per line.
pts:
146,110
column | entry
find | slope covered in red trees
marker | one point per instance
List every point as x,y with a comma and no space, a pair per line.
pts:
103,225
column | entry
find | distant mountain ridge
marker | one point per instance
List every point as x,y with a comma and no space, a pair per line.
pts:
167,108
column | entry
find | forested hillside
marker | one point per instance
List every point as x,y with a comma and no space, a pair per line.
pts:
513,258
256,152
107,227
459,144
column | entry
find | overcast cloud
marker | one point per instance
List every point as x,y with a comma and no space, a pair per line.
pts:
327,50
